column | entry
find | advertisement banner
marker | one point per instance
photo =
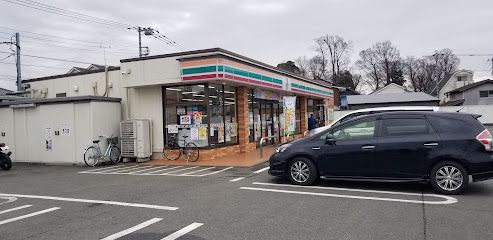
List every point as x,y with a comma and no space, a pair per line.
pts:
289,103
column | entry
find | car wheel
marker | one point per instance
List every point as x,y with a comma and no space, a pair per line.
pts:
302,171
449,178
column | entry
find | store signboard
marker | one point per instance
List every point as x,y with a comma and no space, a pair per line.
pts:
267,95
289,103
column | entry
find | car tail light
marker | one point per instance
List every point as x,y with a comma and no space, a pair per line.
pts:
486,139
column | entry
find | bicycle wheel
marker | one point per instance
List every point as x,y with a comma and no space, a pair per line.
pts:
115,155
91,156
191,152
172,151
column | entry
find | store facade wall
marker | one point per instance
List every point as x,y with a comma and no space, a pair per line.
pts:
224,104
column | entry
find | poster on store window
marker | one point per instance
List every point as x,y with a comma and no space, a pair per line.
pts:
197,117
185,119
194,134
49,139
289,103
173,128
202,133
220,134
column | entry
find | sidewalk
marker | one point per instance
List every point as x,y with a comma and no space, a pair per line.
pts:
247,159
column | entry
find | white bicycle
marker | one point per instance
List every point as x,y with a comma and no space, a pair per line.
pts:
93,154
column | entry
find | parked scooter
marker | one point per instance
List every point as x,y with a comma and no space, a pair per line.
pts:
5,162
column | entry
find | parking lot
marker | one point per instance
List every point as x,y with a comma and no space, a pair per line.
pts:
131,202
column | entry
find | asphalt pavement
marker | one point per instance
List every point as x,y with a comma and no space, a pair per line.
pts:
131,201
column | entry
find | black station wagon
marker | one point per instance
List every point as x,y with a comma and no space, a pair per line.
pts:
448,150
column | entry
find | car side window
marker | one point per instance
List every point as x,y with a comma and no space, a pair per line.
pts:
405,127
355,131
449,126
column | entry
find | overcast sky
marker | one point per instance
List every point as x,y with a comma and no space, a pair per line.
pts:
267,30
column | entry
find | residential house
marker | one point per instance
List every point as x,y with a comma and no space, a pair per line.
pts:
478,93
4,91
391,88
457,79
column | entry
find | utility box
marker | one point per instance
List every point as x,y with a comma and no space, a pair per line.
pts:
136,139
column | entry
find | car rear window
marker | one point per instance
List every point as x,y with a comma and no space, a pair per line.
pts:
405,127
452,126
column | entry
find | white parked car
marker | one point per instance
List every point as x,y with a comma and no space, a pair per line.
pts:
366,111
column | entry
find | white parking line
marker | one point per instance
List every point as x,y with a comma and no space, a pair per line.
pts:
131,169
261,170
16,208
207,174
182,231
448,199
237,179
125,204
28,215
9,200
104,168
109,170
166,169
148,169
201,170
132,229
179,170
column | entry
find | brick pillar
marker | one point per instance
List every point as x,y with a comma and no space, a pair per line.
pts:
243,129
304,114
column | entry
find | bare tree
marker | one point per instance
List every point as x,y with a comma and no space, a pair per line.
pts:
387,55
428,73
369,64
381,64
337,51
302,64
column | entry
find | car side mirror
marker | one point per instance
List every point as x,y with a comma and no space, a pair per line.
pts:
330,139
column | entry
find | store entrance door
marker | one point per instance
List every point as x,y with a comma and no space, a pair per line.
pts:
269,120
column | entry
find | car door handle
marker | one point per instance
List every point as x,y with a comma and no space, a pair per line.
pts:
368,147
433,144
315,148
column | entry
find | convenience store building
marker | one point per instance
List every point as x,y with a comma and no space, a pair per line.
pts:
224,102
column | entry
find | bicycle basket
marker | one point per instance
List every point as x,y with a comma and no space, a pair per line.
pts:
113,140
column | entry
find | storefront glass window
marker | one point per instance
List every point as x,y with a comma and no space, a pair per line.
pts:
186,114
191,109
231,126
251,125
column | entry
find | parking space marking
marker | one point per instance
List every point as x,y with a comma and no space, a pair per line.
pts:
183,231
124,204
132,229
448,199
150,170
207,174
196,171
104,168
28,215
179,170
261,170
237,179
15,209
9,200
162,170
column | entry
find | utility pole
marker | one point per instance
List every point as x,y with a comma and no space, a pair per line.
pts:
139,30
18,62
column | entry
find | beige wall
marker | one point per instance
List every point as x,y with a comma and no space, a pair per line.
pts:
151,72
83,82
146,103
86,121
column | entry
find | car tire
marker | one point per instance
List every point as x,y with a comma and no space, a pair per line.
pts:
302,171
449,178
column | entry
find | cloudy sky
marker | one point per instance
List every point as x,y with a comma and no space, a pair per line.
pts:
271,31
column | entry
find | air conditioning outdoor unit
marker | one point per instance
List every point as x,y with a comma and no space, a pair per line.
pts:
136,139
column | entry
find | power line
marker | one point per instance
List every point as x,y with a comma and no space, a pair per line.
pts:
71,39
39,66
54,59
67,13
80,49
